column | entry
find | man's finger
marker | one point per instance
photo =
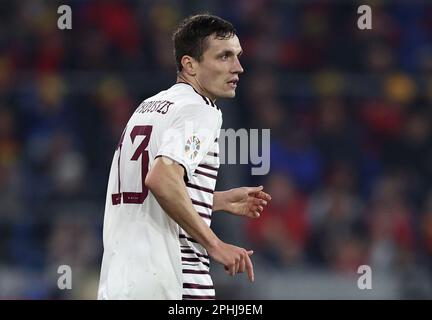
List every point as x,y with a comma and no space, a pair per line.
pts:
230,270
253,213
254,189
263,195
257,201
236,267
227,270
242,264
249,267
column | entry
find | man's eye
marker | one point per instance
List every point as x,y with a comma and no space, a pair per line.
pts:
224,57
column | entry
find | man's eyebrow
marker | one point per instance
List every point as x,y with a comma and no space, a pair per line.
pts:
229,52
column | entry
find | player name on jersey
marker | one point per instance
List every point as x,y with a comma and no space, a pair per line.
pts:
151,106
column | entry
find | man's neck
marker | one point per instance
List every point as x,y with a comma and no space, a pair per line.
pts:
192,82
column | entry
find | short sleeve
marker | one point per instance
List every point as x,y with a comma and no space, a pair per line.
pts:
190,135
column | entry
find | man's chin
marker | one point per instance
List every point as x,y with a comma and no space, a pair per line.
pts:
226,94
230,94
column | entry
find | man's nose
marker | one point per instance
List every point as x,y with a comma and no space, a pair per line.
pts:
237,68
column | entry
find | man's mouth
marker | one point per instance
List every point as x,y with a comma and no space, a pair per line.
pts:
233,83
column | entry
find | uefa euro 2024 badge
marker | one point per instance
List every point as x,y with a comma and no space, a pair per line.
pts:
192,147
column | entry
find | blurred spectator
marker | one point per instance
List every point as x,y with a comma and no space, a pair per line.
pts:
281,233
411,154
425,228
336,135
336,223
390,225
10,153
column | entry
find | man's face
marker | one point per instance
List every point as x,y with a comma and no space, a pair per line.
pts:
219,69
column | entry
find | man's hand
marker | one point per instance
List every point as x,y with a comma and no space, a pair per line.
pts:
244,201
235,259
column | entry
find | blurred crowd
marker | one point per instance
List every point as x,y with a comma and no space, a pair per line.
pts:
349,111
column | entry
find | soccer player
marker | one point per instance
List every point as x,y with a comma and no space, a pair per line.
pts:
160,197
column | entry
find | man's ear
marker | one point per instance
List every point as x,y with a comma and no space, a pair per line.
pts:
189,65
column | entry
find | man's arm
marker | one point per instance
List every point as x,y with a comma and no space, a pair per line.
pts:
219,201
165,181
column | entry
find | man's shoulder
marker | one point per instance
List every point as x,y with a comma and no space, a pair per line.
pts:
184,95
180,99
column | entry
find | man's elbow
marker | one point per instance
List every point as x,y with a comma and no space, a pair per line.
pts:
152,183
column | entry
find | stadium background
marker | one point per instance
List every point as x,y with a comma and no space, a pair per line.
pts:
350,119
